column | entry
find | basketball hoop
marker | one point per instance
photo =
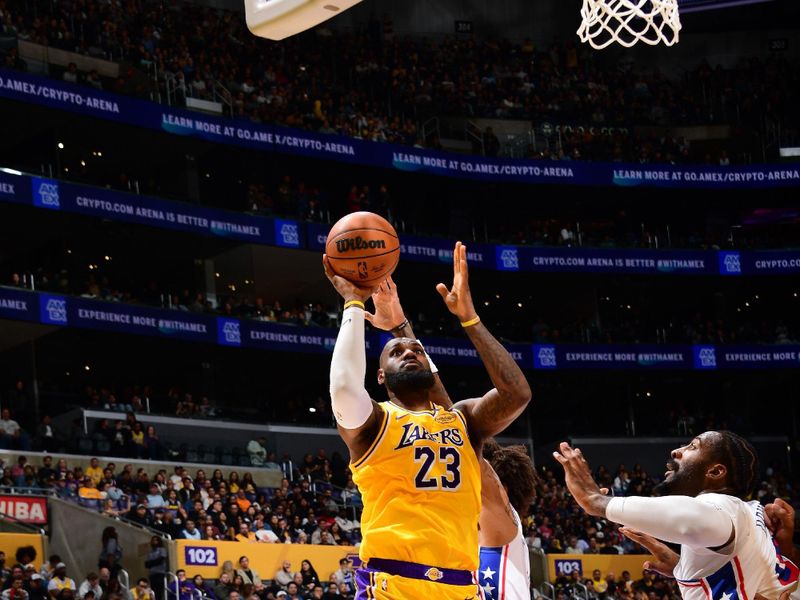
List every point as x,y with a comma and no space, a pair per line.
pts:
278,19
629,21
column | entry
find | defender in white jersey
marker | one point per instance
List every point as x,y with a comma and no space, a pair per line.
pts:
508,485
780,522
727,551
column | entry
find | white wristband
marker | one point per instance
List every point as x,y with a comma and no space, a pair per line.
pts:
434,368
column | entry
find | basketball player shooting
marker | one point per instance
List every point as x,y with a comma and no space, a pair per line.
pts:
727,550
508,479
415,463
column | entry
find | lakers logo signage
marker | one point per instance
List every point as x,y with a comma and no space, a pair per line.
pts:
358,243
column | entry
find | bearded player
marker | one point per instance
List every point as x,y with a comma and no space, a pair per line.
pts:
416,463
508,480
727,549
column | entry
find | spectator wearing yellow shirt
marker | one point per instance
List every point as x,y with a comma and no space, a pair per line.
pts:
94,471
245,535
88,490
137,437
597,582
142,590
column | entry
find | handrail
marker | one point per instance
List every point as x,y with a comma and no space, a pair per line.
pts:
23,525
169,576
124,579
430,127
470,130
551,588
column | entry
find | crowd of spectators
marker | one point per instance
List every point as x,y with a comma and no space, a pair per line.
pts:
23,581
376,85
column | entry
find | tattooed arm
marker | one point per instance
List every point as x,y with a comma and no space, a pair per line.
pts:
497,409
389,316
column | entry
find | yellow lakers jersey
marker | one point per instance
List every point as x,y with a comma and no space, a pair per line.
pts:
421,485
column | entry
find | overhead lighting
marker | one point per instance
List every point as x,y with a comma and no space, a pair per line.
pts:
87,368
60,145
11,171
312,410
83,163
107,257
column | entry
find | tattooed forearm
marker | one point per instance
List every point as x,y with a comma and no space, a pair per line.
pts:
513,391
438,394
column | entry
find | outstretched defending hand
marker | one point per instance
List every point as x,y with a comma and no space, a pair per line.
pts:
388,311
780,520
347,289
580,482
665,559
458,299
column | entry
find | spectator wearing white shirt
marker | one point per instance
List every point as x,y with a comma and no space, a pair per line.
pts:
257,452
190,532
60,581
154,499
11,434
91,583
345,524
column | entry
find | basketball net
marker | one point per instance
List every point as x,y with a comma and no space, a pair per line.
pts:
628,22
278,19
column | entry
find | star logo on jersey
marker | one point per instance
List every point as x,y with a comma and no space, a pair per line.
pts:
489,589
434,574
488,573
726,596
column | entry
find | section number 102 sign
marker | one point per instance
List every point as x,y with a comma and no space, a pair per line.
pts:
200,556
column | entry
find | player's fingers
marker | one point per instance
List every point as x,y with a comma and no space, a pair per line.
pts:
781,503
456,266
391,284
368,316
326,266
443,291
560,458
604,491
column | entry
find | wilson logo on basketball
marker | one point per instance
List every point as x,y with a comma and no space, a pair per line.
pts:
358,243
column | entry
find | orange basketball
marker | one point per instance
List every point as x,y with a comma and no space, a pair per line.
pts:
364,248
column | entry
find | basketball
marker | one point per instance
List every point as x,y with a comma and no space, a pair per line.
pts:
363,248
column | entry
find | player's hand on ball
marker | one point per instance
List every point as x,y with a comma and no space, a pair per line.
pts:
347,289
458,299
388,311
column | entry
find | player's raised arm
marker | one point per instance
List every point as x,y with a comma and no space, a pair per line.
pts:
357,415
497,409
678,519
390,317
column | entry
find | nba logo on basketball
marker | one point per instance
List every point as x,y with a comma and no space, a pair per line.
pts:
45,193
362,270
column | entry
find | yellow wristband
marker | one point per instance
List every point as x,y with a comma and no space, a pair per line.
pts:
357,303
471,322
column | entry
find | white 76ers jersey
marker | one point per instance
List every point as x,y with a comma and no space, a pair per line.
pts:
505,572
751,565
